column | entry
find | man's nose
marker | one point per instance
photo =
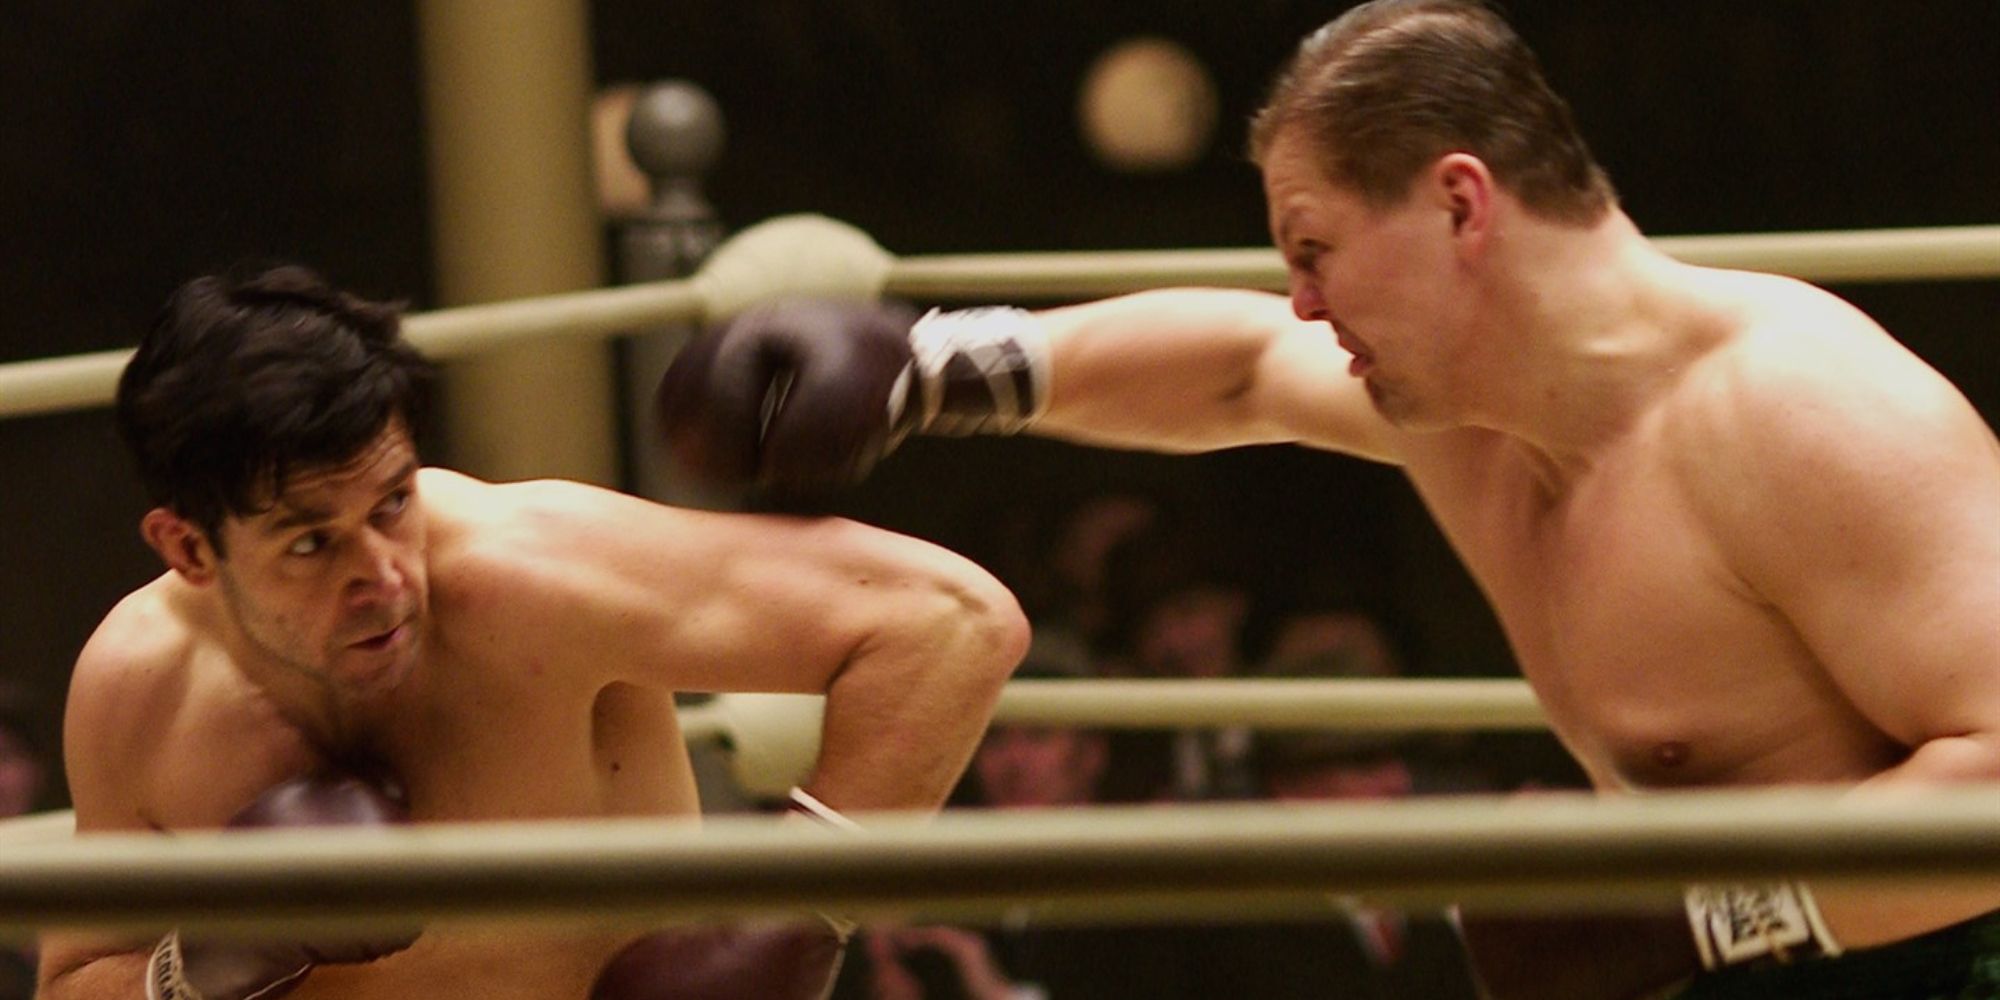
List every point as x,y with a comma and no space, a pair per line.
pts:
375,573
1307,302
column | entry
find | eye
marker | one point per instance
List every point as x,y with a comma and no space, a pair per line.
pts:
308,544
1306,255
394,504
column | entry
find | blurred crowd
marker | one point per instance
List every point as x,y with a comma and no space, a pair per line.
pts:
24,787
1121,589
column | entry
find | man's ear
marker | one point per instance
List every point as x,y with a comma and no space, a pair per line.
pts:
182,545
1463,185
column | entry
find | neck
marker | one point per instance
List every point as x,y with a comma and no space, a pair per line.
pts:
306,700
1585,328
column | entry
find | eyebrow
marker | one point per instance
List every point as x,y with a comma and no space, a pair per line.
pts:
296,517
1285,226
300,515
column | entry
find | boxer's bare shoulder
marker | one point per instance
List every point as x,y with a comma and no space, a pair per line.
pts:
1803,384
152,674
511,562
129,684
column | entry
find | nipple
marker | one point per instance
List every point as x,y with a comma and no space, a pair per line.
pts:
1672,753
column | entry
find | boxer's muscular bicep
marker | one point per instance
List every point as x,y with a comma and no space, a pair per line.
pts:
698,601
1865,516
1902,597
106,793
1199,369
910,643
107,731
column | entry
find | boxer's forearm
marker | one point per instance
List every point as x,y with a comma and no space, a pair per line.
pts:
110,977
1973,757
1862,916
905,713
1166,371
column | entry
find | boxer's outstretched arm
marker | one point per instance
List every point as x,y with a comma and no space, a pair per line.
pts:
910,643
1200,369
811,394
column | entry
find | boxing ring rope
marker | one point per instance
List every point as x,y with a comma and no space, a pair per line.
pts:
851,264
1878,255
52,385
1402,705
1568,851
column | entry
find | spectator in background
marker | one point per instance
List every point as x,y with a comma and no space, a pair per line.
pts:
24,768
1366,953
1080,560
1334,638
1040,767
24,771
1192,631
1331,643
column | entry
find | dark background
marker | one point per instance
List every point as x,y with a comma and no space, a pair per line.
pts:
145,141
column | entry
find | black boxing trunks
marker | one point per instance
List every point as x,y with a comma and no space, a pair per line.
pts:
1960,962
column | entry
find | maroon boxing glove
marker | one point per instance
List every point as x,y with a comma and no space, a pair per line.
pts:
808,394
199,969
793,961
794,394
788,961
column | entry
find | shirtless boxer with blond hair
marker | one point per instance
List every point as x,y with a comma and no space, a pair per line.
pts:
344,635
1735,533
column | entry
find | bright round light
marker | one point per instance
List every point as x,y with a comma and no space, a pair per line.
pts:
1148,105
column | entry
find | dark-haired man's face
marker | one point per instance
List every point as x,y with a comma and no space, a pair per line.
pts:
1022,767
330,581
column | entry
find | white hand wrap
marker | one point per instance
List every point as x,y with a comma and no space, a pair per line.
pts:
166,978
973,371
807,805
1735,924
166,974
804,803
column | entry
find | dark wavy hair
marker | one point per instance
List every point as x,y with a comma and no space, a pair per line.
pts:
1388,87
242,382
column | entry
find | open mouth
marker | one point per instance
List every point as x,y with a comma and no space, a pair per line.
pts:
382,640
1361,361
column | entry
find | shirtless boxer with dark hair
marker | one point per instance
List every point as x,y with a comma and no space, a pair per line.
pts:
345,636
1736,534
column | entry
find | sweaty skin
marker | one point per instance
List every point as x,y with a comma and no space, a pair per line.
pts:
509,652
1735,533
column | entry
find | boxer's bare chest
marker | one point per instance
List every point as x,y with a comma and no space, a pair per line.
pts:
530,739
501,750
470,741
1657,664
